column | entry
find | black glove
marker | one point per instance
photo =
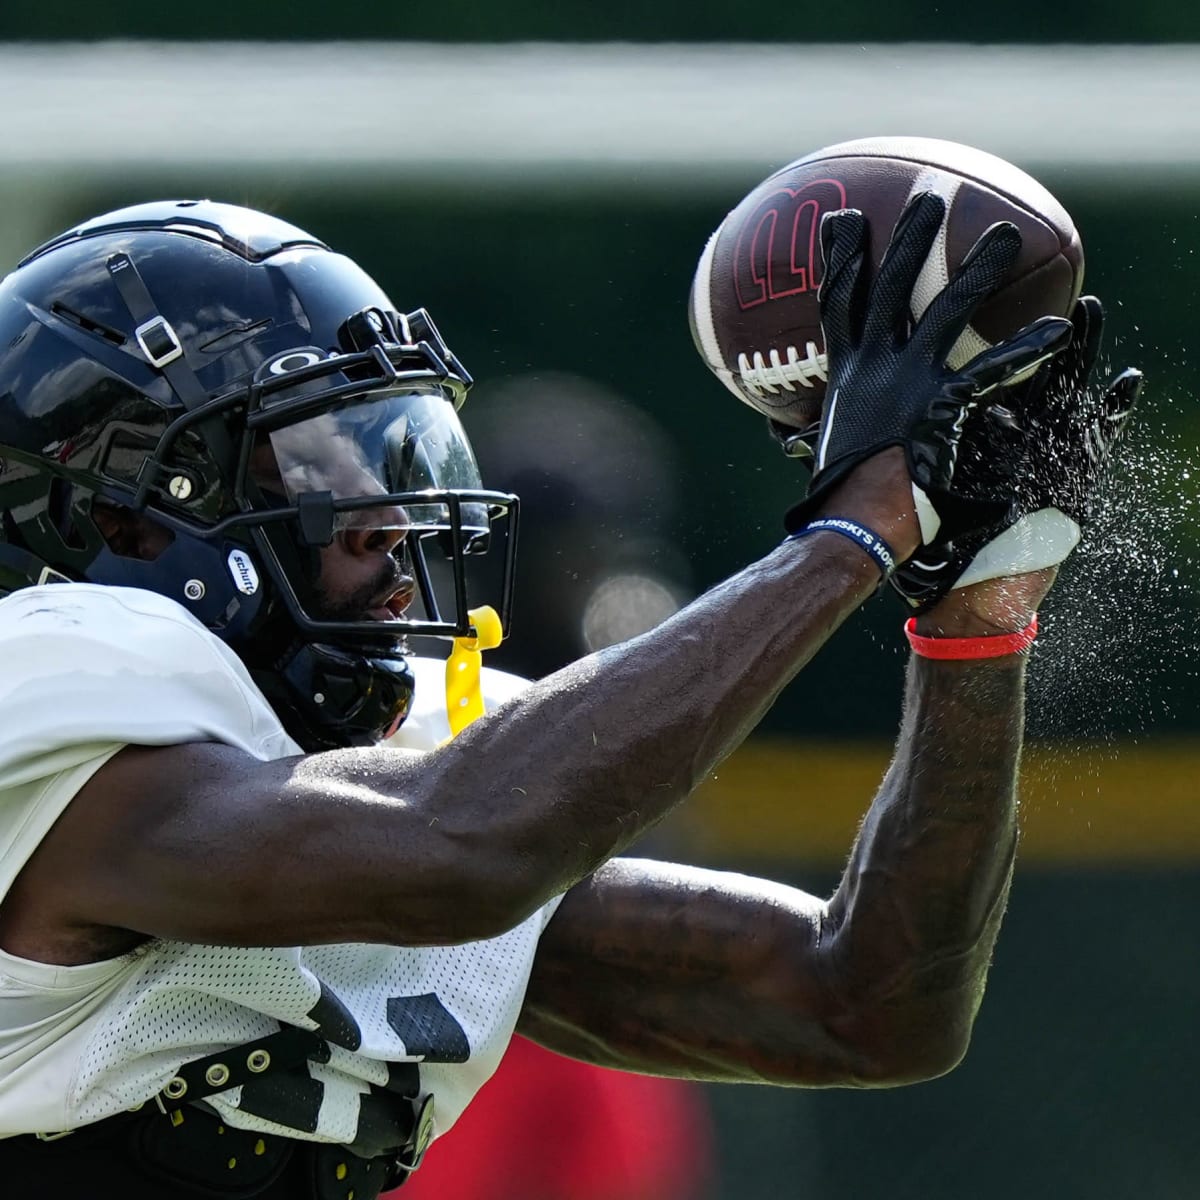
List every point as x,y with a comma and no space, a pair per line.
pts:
1044,445
888,386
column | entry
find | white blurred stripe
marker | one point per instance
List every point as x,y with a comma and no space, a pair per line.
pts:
627,114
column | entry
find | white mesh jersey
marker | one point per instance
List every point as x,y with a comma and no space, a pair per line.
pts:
90,669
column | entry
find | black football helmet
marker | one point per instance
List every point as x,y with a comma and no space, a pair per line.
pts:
256,394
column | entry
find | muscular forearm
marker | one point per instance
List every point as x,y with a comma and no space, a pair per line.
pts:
463,843
755,981
909,933
586,760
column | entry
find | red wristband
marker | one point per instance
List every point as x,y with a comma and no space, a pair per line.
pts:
965,648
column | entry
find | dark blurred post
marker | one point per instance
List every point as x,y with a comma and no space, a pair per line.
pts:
599,487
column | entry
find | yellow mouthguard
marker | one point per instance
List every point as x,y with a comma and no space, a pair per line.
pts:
464,696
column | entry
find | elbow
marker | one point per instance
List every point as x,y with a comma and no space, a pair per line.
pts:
491,914
496,893
451,917
891,1043
901,1015
905,1025
872,1046
507,896
868,1030
465,899
912,1058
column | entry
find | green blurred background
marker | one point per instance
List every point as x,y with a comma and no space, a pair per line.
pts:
562,282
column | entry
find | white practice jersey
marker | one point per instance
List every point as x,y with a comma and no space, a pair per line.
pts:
89,669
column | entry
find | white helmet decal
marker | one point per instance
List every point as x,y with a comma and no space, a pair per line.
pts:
245,577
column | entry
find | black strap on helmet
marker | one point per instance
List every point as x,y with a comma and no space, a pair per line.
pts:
155,335
20,569
160,344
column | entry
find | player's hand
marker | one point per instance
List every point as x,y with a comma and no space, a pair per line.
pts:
1044,445
889,386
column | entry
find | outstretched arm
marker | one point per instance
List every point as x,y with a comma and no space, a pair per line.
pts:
200,843
681,971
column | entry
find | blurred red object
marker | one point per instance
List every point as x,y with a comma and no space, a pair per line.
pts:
546,1127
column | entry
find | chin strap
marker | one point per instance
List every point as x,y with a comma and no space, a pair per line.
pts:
20,569
464,694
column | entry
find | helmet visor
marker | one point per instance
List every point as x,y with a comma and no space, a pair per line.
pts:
392,446
394,459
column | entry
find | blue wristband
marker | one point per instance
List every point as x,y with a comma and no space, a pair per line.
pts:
860,535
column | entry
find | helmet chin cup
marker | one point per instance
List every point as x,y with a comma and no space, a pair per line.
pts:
329,697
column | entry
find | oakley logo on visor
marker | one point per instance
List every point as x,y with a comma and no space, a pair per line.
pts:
245,577
295,360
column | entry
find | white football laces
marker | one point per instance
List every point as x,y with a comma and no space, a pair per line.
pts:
771,372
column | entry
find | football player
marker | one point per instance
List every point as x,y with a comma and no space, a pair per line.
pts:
248,950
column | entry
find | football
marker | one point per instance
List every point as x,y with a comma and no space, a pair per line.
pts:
753,307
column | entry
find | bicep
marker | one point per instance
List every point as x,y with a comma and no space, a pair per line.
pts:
676,970
204,843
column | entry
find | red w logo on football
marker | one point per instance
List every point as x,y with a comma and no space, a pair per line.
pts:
778,250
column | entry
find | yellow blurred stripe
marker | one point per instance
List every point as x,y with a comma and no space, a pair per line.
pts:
1099,804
